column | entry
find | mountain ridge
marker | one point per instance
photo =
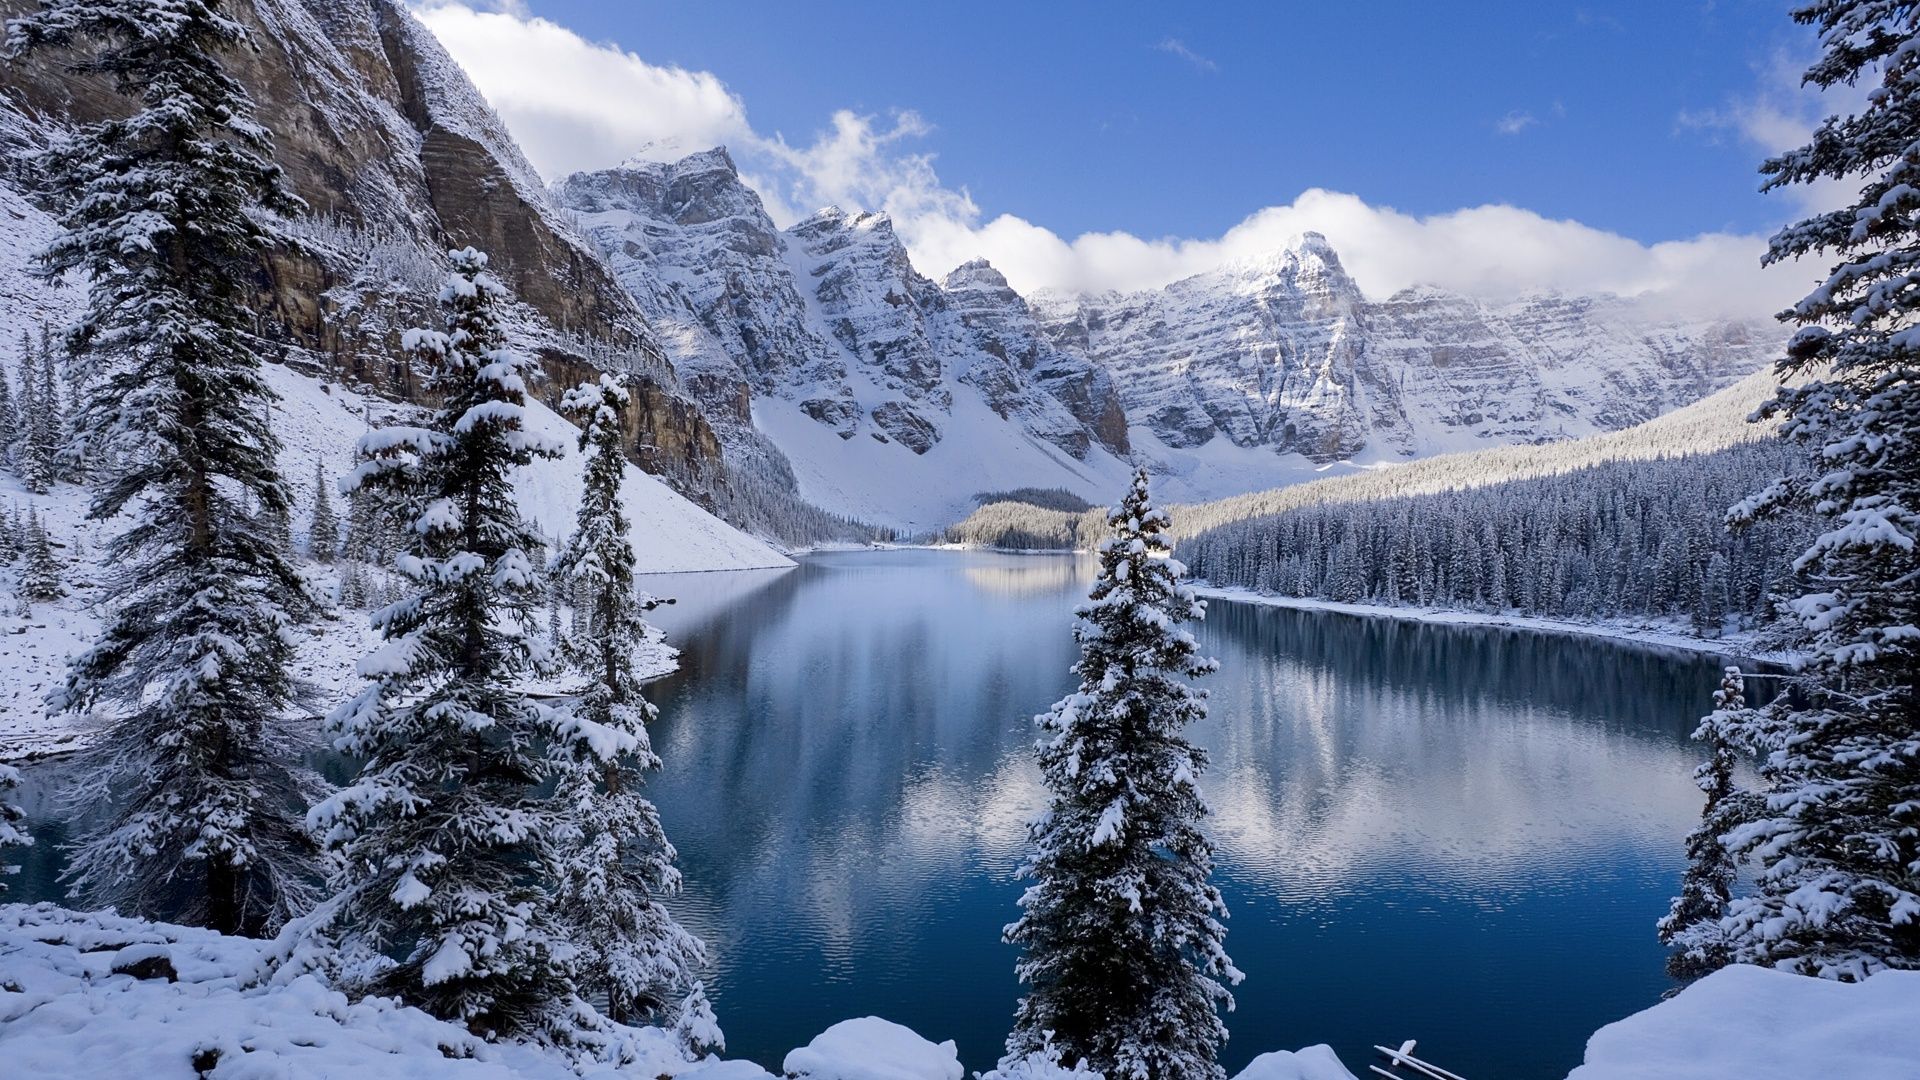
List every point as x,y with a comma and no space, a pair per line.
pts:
1266,369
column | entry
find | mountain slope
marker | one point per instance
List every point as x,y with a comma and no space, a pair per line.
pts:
398,158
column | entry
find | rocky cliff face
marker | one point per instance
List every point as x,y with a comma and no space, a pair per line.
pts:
399,158
830,314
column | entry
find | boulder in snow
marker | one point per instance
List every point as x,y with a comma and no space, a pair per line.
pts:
1315,1062
874,1049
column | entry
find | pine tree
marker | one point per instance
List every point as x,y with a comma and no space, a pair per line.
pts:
323,536
40,574
49,419
695,1027
9,413
13,538
616,863
35,447
1125,959
1838,888
13,824
195,785
364,528
353,586
1692,924
445,831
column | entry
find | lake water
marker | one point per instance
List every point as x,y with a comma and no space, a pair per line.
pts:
1459,835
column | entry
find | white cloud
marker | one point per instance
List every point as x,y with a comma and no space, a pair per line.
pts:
1515,122
1493,251
1176,47
1781,114
576,104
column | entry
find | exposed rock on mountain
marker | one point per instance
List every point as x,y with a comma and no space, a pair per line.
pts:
1284,351
830,314
818,360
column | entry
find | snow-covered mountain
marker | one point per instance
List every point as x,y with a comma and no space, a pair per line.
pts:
1285,351
898,398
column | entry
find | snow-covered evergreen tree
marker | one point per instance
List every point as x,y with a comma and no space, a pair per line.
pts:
36,445
40,571
323,535
366,529
1838,887
13,823
616,864
1692,924
50,436
696,1028
445,833
13,536
195,784
1125,958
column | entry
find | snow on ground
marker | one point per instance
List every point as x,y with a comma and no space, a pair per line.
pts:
1673,634
1220,468
889,484
101,996
318,422
96,995
978,452
1761,1024
1313,1063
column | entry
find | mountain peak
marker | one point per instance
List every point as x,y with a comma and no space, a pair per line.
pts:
975,273
673,155
1306,262
1310,241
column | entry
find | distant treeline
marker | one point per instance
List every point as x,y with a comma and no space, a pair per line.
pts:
1621,538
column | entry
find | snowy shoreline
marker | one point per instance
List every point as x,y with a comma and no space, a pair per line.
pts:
1634,633
100,995
1646,635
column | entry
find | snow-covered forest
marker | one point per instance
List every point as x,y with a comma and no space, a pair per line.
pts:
1622,539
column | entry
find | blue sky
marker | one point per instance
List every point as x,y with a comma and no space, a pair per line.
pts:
1492,147
1400,103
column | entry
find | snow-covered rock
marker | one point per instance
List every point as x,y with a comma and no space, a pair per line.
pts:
1311,1063
874,1049
1759,1024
